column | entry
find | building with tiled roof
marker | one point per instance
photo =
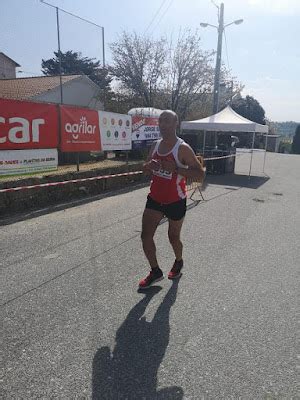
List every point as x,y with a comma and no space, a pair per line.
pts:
78,90
7,67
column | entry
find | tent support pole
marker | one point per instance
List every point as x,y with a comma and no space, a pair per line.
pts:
253,138
266,146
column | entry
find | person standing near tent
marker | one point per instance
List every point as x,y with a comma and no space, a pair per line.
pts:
170,162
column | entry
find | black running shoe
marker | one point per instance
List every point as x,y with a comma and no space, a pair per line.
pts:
176,270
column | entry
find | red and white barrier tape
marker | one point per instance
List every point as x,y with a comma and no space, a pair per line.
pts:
219,158
94,178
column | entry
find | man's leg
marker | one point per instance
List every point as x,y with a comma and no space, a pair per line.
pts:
151,219
174,237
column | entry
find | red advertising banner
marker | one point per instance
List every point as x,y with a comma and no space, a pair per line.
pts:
79,130
144,131
27,125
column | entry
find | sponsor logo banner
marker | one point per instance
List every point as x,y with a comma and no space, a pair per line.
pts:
115,131
144,130
141,144
79,130
19,162
27,125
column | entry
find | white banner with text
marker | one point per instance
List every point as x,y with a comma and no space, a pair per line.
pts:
19,162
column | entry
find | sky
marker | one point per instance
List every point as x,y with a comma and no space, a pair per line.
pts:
262,52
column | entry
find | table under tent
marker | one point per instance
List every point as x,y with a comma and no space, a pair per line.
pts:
225,123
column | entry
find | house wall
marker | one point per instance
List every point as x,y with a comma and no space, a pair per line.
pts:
7,68
78,92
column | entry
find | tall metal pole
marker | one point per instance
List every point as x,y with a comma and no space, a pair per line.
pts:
265,155
253,139
103,59
58,38
218,61
103,47
59,55
231,95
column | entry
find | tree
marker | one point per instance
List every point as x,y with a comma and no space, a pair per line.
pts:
189,73
162,74
139,63
121,101
284,146
296,141
74,63
249,108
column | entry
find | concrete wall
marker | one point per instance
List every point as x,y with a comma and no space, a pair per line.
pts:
7,68
78,92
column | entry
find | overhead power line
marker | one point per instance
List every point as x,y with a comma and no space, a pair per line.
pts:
165,12
155,15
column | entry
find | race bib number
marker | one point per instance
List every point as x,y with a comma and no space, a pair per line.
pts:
163,174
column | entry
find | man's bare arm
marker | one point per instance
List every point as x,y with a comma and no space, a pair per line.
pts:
149,165
194,168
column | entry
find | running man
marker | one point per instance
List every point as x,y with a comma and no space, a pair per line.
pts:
170,162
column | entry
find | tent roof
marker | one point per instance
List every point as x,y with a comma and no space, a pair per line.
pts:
145,112
226,120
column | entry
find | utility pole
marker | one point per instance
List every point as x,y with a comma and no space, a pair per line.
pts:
220,28
59,55
218,61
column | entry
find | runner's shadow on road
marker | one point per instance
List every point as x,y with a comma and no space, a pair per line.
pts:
130,370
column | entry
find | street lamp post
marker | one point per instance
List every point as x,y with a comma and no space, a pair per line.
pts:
221,27
218,62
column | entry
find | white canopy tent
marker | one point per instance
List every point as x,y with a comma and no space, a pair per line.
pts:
227,120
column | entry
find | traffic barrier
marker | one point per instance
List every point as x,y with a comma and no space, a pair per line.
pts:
94,178
195,185
192,183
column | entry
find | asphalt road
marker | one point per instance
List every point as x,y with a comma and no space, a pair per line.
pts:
74,325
